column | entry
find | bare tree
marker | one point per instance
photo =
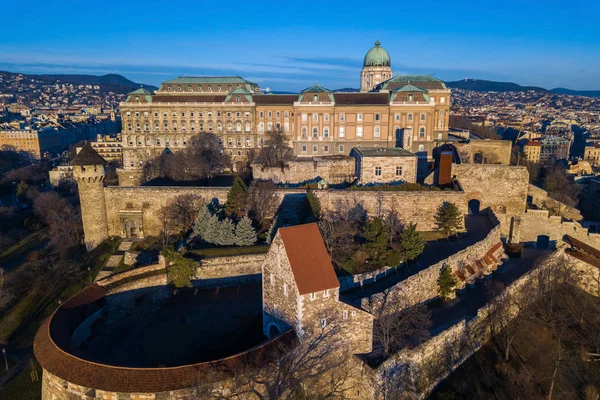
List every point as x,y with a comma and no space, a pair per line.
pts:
183,210
205,156
276,151
6,295
263,201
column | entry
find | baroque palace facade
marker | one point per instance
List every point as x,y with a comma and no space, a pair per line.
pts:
411,112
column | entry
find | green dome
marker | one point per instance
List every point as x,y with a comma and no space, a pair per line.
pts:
377,57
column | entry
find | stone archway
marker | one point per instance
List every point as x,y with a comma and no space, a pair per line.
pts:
473,207
131,229
542,242
273,330
478,158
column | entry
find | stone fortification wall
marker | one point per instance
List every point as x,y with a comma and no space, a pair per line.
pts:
422,286
334,169
499,187
535,223
418,207
360,280
141,204
232,270
539,197
487,151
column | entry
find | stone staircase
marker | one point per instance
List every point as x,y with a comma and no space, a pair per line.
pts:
113,261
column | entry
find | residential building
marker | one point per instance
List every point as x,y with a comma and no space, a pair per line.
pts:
385,165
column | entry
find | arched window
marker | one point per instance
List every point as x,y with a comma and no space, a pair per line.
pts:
270,126
410,97
304,132
190,88
210,126
179,88
247,126
156,126
315,148
316,98
422,132
326,149
199,88
183,127
315,117
174,126
201,126
219,127
230,126
326,117
315,132
238,127
166,126
192,127
146,126
423,117
238,141
169,88
278,126
237,98
129,126
219,88
325,132
137,126
410,117
248,142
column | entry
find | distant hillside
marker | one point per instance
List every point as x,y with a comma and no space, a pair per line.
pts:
346,90
113,82
480,85
588,93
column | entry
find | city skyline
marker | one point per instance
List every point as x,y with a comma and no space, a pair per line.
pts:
288,48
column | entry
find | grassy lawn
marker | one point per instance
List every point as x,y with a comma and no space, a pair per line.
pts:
229,251
22,388
432,236
23,246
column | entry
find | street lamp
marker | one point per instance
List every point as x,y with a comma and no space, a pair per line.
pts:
89,274
5,359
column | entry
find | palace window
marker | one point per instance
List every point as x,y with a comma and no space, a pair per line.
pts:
442,99
174,127
422,132
261,126
238,141
359,117
137,126
377,171
247,126
286,114
229,142
304,117
199,88
201,126
326,117
209,88
219,127
316,98
304,132
230,126
342,117
192,127
410,97
315,148
219,88
377,131
410,117
269,114
246,114
156,126
238,127
261,114
237,98
304,148
238,114
326,149
166,126
359,131
341,148
147,127
270,126
377,117
313,296
315,117
169,88
218,113
341,132
183,127
423,117
137,114
179,88
228,115
190,88
397,117
286,126
325,132
278,114
129,126
315,132
398,171
128,113
442,113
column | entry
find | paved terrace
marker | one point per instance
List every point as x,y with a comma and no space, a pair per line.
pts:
477,229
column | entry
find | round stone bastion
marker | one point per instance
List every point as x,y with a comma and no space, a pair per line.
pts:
134,336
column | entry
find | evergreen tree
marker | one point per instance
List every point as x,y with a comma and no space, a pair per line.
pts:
244,233
180,269
271,231
411,242
446,282
236,205
211,231
376,236
226,235
202,221
448,218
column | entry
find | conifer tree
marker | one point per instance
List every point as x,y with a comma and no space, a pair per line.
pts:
376,236
271,231
202,221
411,242
226,235
212,232
244,233
448,218
236,205
446,282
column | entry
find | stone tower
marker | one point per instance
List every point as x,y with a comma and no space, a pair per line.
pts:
377,67
88,169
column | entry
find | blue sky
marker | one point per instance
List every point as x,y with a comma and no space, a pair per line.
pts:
290,45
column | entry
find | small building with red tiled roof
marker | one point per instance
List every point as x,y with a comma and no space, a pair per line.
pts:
301,290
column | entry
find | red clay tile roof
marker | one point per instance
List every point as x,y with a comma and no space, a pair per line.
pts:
309,259
361,98
535,143
56,352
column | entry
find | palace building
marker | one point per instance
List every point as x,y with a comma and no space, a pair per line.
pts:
410,112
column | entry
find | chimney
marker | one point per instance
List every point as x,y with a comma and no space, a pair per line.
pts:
445,169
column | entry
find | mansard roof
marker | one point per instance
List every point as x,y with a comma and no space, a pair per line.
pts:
308,257
144,95
183,98
247,95
275,99
422,81
361,98
209,79
409,88
88,156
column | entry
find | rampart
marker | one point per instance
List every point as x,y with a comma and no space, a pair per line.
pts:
500,187
539,197
69,373
422,286
333,169
536,223
484,151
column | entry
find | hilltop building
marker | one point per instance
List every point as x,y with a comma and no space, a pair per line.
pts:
411,112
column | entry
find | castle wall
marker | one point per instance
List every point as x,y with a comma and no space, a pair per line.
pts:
334,170
489,151
499,187
422,287
535,223
388,167
418,207
539,197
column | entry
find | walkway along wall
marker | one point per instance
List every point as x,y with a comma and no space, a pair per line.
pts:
536,223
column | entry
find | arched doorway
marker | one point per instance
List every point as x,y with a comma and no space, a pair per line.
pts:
474,206
131,230
478,158
274,330
543,242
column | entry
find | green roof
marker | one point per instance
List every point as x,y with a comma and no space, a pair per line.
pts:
240,92
140,91
316,88
383,152
377,57
413,78
409,88
209,79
